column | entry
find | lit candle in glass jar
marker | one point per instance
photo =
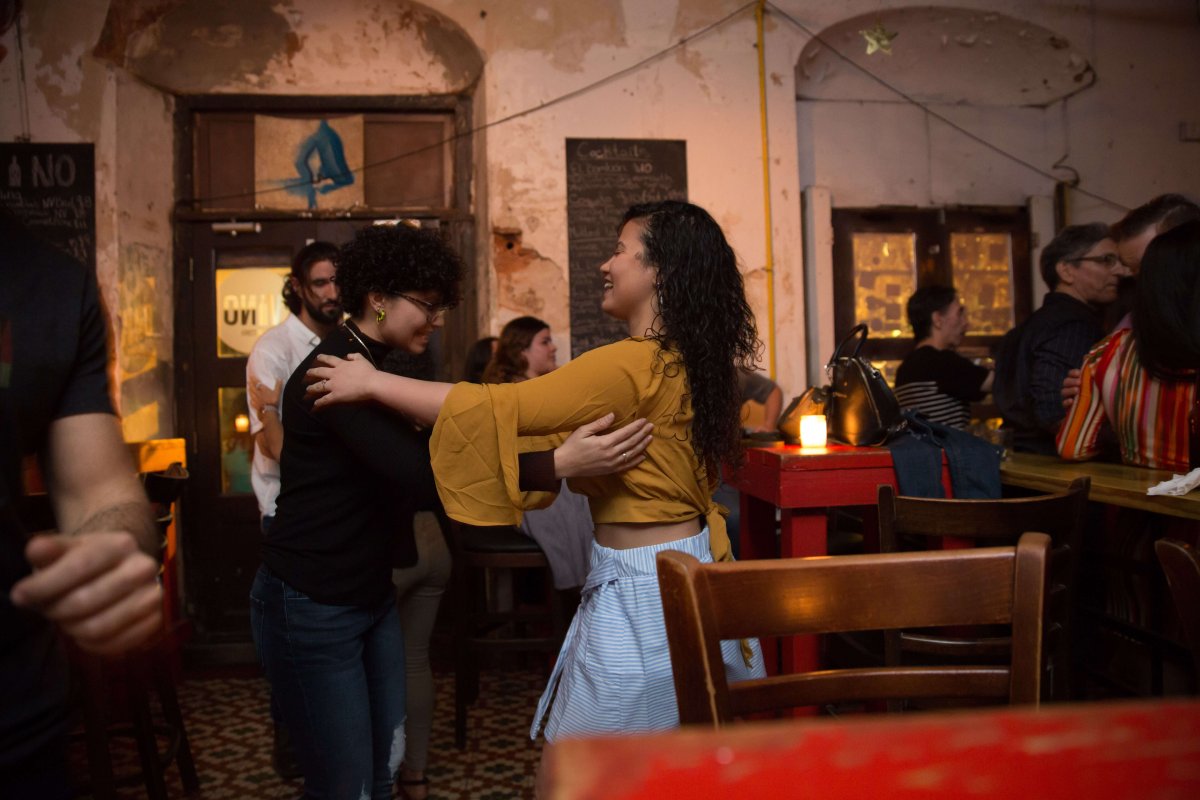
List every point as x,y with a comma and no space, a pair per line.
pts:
812,430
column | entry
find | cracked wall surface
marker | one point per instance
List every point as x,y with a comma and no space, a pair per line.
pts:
290,47
105,72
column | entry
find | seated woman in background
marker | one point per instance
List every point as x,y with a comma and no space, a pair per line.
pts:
564,529
525,350
934,379
674,281
1141,381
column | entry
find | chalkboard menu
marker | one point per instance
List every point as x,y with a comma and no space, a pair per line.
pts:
604,178
51,188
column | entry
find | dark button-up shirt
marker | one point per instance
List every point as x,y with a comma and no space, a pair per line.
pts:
1034,358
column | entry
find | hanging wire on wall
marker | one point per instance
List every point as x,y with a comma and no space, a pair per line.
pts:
943,118
637,66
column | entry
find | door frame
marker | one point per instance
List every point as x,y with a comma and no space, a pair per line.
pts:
456,221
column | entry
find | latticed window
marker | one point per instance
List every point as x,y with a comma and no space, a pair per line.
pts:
881,256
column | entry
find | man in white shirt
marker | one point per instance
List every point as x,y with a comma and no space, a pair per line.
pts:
311,295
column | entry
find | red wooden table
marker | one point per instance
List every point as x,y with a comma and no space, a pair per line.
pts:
1095,751
803,483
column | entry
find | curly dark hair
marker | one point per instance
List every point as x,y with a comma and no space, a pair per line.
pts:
508,364
704,318
394,259
311,254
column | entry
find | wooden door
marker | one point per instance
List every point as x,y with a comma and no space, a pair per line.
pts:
229,294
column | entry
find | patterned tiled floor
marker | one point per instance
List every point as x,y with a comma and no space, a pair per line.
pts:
228,724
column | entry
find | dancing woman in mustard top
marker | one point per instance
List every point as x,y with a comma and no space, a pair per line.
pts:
674,280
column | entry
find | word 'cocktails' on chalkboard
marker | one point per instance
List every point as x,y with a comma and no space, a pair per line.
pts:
604,178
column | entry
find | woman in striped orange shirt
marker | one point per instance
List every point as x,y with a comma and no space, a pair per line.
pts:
1142,381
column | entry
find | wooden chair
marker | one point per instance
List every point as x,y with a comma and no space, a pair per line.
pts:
116,703
705,603
480,630
1181,563
908,523
115,693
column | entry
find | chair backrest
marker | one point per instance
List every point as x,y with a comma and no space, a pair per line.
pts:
1061,515
1181,563
705,603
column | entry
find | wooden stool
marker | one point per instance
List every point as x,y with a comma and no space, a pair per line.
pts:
106,683
477,550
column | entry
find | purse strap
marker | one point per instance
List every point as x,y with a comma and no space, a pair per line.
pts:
859,331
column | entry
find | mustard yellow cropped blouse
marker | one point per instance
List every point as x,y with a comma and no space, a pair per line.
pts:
481,430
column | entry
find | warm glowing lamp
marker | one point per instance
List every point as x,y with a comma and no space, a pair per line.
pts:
812,430
241,423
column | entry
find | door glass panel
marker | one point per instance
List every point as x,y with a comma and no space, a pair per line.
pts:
249,301
981,264
237,446
885,275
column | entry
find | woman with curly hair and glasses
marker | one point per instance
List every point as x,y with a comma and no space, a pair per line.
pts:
674,280
322,605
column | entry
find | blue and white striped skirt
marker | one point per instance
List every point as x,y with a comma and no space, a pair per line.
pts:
613,674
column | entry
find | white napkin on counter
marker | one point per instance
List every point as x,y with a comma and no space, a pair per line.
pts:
1180,484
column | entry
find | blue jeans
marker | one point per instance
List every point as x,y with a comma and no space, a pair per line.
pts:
337,676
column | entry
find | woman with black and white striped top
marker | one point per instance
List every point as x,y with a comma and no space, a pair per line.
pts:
934,379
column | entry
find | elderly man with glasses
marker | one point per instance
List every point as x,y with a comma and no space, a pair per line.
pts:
1081,266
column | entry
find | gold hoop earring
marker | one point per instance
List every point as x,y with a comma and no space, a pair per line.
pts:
380,314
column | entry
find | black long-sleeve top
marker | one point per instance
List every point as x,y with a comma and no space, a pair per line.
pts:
351,478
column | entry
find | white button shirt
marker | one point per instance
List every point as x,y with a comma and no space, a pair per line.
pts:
274,357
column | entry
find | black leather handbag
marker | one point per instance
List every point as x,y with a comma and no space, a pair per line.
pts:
861,409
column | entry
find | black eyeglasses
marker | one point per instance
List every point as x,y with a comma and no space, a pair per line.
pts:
1109,260
432,310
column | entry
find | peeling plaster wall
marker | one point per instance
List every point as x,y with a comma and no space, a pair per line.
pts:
73,97
312,47
145,267
705,93
1121,134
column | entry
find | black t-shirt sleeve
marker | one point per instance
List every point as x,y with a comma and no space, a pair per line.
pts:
954,375
755,386
86,390
958,377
